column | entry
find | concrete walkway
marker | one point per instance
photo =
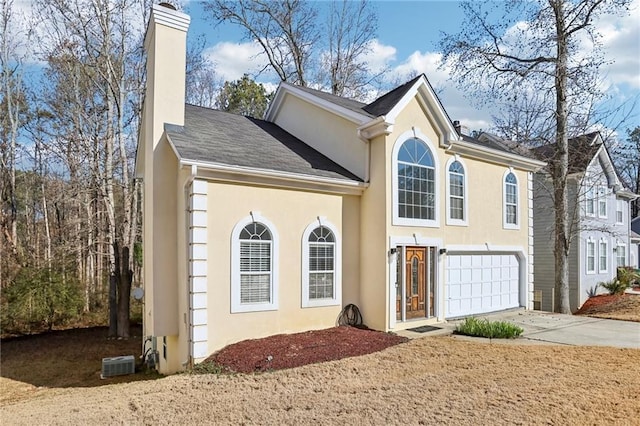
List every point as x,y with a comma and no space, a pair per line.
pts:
550,328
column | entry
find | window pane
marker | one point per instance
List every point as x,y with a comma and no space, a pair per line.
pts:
255,256
321,285
255,288
416,183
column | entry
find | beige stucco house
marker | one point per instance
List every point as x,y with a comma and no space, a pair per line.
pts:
258,227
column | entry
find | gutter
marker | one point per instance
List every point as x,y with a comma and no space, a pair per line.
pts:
481,152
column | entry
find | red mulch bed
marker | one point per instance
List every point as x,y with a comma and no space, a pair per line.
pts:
595,301
294,350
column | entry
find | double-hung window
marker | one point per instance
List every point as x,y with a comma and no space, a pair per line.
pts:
602,201
621,255
603,256
510,214
321,266
254,281
456,191
590,201
591,256
620,204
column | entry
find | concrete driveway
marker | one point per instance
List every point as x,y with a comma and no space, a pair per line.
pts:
550,328
545,327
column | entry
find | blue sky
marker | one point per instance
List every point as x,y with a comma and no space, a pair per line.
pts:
407,38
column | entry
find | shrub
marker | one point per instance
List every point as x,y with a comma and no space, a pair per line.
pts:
37,297
615,286
628,275
491,329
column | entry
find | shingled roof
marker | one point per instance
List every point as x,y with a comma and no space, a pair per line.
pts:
220,137
582,149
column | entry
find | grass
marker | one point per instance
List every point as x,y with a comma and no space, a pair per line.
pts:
490,329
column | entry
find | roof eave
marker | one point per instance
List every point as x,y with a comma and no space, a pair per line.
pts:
494,156
266,177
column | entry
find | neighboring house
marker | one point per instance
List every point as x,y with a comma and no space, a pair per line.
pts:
600,204
635,243
258,227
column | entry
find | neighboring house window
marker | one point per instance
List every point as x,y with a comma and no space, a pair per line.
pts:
591,256
254,271
603,256
321,265
590,201
456,192
510,200
621,255
602,201
416,181
620,211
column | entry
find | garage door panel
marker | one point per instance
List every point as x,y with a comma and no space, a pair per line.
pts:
481,283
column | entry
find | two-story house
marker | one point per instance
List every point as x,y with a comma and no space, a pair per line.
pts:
599,222
258,227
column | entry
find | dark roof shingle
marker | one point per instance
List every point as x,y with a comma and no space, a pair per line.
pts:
214,136
582,149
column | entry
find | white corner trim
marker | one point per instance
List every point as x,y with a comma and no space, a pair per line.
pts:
396,219
236,305
337,265
465,198
198,261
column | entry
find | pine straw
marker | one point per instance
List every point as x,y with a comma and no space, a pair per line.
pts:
425,381
624,307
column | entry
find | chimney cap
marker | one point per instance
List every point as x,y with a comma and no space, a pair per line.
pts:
167,5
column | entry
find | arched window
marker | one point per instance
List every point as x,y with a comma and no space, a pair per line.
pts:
457,192
321,266
254,269
510,200
416,181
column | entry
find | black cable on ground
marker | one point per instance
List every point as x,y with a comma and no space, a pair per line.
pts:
350,315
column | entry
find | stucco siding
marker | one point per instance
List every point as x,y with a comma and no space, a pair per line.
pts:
333,136
290,212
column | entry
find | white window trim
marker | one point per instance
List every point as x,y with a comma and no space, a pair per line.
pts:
465,198
403,221
337,266
606,253
595,257
236,306
620,209
506,225
602,198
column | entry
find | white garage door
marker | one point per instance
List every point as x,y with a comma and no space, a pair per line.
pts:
481,283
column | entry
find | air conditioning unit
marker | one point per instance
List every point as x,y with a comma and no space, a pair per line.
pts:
118,366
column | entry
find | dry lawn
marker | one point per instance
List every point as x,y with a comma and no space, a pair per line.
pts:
439,380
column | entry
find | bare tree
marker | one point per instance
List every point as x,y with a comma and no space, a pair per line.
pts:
285,30
541,53
13,108
628,155
351,27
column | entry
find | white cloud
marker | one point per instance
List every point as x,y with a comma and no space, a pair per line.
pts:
621,44
379,56
232,60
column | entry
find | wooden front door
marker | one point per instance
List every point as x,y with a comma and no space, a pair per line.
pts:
415,278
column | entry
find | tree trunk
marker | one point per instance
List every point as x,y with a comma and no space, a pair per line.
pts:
113,293
560,164
124,292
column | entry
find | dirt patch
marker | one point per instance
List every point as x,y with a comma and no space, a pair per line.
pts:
293,350
60,359
625,307
424,381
